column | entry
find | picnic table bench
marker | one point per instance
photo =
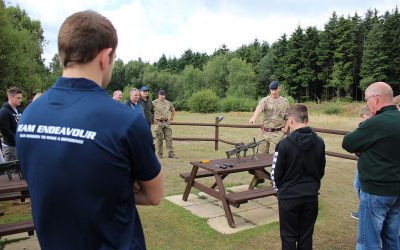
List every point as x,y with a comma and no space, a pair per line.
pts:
12,187
217,169
17,227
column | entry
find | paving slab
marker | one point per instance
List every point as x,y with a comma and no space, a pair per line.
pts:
207,197
220,224
238,188
249,215
29,244
206,210
243,207
260,216
192,200
15,236
266,201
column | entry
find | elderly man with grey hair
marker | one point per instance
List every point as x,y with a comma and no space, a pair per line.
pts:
377,140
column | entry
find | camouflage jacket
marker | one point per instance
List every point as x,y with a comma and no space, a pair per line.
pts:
274,111
162,109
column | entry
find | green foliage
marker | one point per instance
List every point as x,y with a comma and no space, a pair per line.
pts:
333,109
241,79
342,75
284,93
253,52
21,46
126,93
231,103
216,72
204,101
375,62
118,76
338,61
157,80
265,69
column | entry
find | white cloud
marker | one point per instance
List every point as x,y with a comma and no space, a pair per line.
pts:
150,28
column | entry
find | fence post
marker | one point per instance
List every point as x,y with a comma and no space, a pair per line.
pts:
216,138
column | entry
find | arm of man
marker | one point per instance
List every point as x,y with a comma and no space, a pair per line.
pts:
256,113
360,139
286,128
150,192
152,112
5,126
173,112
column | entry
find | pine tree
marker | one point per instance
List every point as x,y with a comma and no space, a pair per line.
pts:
342,74
374,62
294,64
325,50
309,74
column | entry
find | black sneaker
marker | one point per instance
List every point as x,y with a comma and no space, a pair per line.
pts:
354,215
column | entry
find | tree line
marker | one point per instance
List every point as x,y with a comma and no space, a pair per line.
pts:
338,61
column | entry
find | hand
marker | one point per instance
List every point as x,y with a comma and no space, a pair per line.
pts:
136,187
252,120
169,121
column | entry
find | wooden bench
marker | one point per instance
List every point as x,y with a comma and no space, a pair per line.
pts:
9,168
242,197
17,227
13,196
200,174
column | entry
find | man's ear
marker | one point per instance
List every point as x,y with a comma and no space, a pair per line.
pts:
105,58
291,121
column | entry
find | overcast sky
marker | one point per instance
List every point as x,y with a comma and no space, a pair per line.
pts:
150,28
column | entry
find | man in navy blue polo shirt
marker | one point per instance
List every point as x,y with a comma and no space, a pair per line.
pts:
88,160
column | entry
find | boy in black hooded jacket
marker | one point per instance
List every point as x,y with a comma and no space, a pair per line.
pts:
297,170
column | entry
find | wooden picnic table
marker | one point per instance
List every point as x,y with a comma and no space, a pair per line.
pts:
12,189
216,169
14,185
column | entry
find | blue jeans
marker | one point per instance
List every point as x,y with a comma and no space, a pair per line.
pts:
357,185
379,222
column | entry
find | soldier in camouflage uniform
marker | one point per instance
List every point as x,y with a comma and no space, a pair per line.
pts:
162,108
274,108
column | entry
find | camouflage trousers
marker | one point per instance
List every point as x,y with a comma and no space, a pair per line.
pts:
267,146
161,131
271,139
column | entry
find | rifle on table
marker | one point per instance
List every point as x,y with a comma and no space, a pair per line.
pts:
9,168
241,147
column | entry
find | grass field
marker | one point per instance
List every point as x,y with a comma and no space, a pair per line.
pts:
170,227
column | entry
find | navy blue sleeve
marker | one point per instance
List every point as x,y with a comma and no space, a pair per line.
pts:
5,124
145,165
278,165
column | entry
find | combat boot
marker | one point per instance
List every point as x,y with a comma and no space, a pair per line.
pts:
172,155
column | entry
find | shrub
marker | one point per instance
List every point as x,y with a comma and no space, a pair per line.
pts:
204,101
231,103
180,104
332,109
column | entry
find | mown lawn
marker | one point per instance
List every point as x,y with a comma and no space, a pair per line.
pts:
171,227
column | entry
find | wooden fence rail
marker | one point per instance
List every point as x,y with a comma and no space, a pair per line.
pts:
218,125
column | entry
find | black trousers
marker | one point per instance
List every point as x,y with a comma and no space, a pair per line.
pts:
297,218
